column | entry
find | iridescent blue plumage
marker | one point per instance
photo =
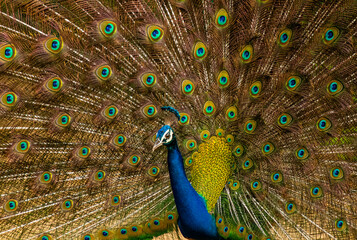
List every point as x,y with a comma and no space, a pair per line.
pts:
194,219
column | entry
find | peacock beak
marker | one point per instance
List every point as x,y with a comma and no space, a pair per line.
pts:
157,144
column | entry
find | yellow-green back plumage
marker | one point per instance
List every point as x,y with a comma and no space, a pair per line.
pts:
211,168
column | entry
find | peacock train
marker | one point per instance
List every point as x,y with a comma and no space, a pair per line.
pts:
178,119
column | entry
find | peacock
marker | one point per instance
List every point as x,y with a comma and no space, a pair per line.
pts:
173,119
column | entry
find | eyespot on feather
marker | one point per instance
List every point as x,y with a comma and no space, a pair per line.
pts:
222,19
200,51
219,221
99,176
220,132
284,120
134,160
250,236
110,112
46,177
11,205
276,177
54,84
285,37
246,54
290,207
87,237
230,139
54,45
187,87
119,140
330,35
316,192
191,144
224,231
115,200
107,28
134,231
302,153
255,89
256,185
171,217
23,146
7,52
150,111
223,79
234,185
250,126
340,225
247,164
63,120
209,108
148,79
9,99
188,162
231,113
154,171
336,173
334,87
241,230
45,237
205,135
238,150
103,73
268,148
67,205
105,234
155,33
83,152
157,224
184,119
293,83
323,124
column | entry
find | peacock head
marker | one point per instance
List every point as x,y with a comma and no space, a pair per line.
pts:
164,136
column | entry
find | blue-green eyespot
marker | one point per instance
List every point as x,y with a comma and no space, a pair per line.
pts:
290,207
99,176
46,177
155,33
255,89
209,108
11,205
107,28
334,87
54,45
7,52
150,111
9,99
154,171
67,204
222,19
184,119
187,87
330,35
103,72
323,124
284,37
54,84
246,54
23,146
200,51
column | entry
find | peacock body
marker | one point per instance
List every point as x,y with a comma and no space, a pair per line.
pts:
255,102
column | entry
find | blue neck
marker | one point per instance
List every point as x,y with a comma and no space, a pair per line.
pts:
194,220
